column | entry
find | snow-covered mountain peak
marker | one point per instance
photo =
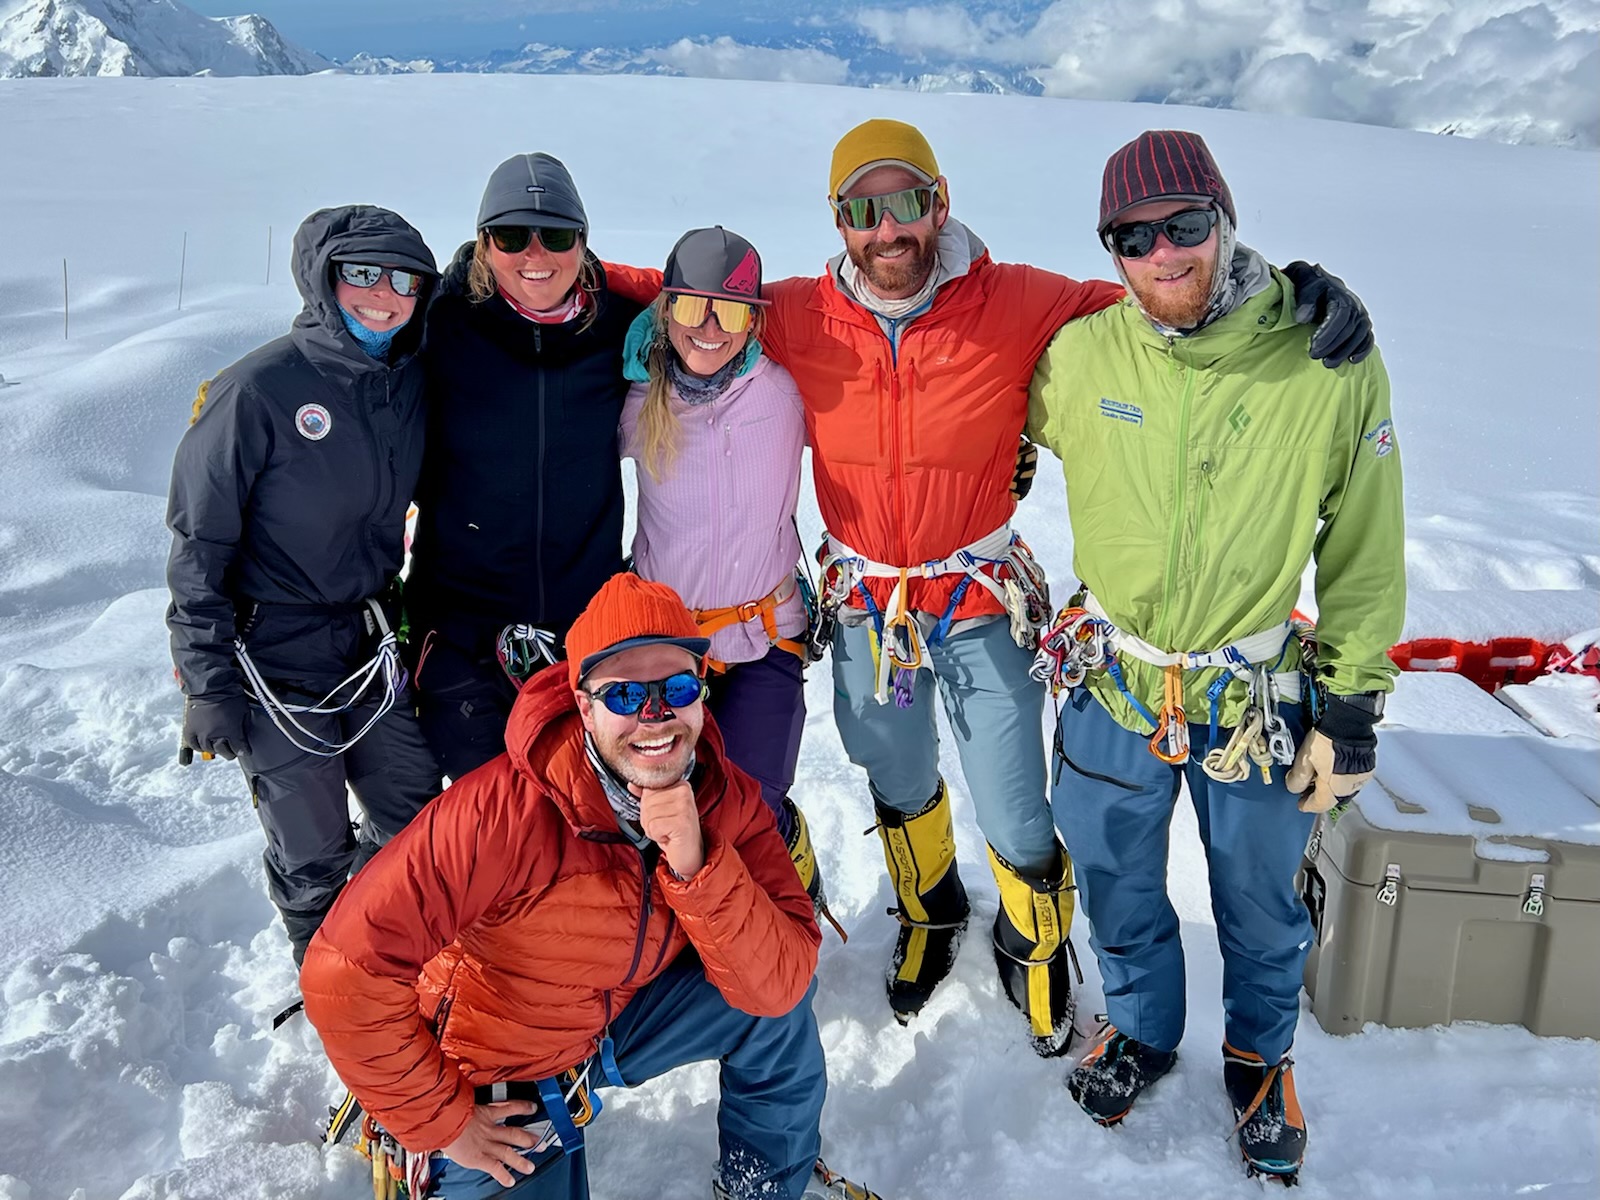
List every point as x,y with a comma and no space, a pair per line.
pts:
140,37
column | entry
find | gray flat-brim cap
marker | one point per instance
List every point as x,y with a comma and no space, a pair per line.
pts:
532,189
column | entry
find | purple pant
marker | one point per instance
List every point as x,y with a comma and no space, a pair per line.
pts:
760,707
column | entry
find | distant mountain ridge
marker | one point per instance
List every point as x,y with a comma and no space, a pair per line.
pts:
860,62
140,37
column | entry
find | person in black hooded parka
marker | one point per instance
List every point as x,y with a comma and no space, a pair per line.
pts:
288,510
520,505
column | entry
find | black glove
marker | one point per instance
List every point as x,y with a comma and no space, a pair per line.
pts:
1027,464
215,726
1339,755
1344,327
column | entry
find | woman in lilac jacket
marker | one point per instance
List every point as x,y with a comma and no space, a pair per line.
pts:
717,431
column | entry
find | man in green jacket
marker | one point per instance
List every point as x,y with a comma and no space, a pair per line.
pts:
1208,460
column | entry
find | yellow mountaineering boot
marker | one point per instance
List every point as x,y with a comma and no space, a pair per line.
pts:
1032,952
920,850
804,858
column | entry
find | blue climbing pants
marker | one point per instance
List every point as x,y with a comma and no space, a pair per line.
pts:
1114,802
773,1084
995,711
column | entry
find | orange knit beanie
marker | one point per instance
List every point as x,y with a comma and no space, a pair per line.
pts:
628,612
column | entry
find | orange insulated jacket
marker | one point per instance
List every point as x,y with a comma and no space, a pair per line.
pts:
497,935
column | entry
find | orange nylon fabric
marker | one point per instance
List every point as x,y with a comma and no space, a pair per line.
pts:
914,451
547,921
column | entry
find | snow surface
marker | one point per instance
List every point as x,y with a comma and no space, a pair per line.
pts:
1455,760
140,961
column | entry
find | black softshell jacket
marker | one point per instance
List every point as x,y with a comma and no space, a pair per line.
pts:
521,494
289,492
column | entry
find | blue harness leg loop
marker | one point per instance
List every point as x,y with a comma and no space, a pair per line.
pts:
1214,699
1115,669
941,628
556,1111
872,608
608,1063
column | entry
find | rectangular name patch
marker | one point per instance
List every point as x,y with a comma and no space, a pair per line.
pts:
1119,411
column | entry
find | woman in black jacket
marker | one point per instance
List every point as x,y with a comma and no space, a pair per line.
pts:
288,511
520,506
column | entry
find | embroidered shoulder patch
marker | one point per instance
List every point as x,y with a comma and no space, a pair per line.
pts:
1118,411
1381,438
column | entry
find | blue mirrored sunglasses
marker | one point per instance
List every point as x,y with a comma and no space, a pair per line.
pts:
625,697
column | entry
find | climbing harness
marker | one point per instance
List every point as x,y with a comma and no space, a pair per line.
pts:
1084,639
1000,562
711,620
566,1104
522,650
383,669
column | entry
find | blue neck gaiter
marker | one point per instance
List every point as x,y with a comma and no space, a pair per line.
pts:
374,343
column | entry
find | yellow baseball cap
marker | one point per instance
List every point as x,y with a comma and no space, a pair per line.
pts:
878,143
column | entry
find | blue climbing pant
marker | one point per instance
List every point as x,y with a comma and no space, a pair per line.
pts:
1114,801
773,1083
995,711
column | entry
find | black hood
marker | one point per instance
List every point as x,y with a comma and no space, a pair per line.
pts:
352,233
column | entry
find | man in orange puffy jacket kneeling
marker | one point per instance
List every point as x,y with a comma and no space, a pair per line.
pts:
606,901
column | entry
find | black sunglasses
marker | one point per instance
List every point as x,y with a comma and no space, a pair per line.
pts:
514,239
1184,229
364,275
626,697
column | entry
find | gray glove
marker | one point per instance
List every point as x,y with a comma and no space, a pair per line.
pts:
215,726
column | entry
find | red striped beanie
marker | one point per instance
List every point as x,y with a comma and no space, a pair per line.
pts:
1162,164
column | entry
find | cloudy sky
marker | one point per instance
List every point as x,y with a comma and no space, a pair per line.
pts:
1511,70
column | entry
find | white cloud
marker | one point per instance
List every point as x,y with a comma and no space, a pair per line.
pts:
945,31
724,58
1513,70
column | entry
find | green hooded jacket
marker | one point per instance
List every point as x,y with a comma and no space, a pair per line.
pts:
1203,475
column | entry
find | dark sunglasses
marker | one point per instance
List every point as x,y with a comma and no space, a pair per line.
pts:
1184,229
625,697
906,206
362,275
514,239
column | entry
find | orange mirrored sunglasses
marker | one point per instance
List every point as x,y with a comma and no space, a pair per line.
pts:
734,316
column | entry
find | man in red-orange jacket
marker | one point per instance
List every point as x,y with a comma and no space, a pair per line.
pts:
608,900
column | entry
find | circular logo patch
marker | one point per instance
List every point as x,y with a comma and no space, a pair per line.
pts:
313,421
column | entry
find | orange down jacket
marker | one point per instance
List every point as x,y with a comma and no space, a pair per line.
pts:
549,920
913,448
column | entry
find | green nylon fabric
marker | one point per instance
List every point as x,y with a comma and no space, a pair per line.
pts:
1204,474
